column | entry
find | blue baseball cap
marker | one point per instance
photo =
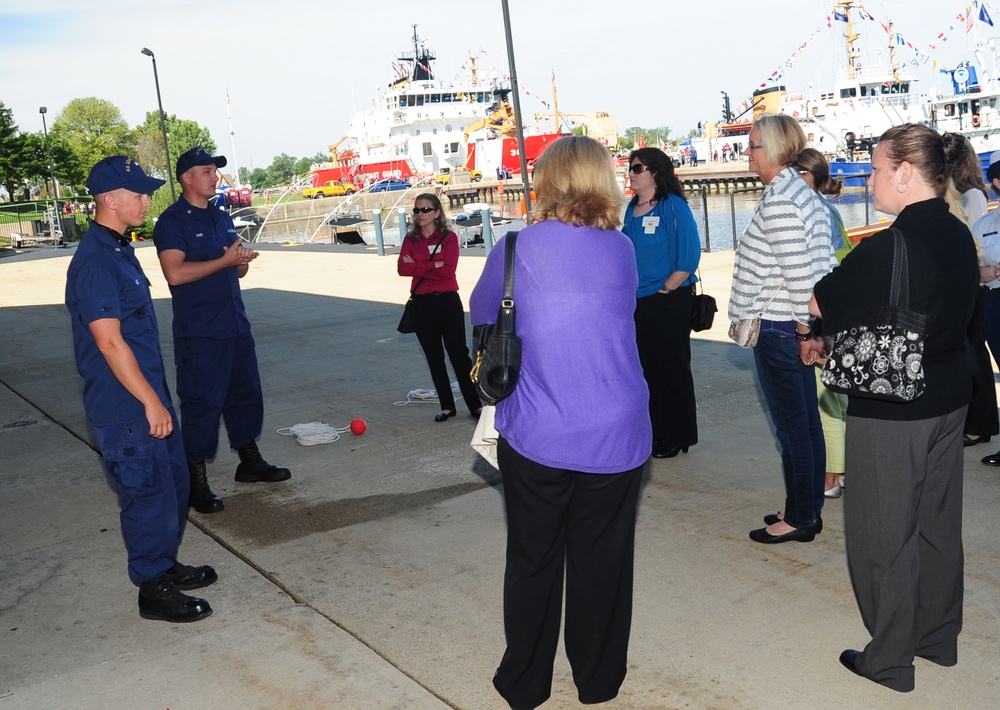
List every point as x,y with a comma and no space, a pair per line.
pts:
195,157
118,172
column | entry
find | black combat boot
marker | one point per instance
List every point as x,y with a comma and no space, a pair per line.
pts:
187,577
202,499
253,468
162,601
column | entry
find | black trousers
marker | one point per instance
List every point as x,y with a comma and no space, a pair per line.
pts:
903,529
439,320
584,523
663,335
982,419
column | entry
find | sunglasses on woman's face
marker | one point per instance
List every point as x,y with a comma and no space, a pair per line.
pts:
424,210
637,168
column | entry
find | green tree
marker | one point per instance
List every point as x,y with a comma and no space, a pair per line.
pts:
304,165
259,178
281,169
182,136
12,153
93,129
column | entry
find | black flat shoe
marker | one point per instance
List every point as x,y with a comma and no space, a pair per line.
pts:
992,459
773,518
848,659
444,416
797,535
972,441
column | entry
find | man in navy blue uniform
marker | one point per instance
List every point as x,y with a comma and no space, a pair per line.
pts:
203,259
117,346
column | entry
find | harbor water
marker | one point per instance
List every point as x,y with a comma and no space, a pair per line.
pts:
729,213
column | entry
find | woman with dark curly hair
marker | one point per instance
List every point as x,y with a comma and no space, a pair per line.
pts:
663,232
429,255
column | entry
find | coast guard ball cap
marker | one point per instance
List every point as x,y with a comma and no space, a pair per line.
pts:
118,172
994,169
195,157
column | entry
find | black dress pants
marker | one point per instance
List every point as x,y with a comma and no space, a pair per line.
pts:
982,419
584,523
439,320
663,335
903,530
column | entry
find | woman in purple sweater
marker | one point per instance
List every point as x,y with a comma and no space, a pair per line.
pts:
574,435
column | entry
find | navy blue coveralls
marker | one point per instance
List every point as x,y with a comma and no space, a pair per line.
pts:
214,351
105,280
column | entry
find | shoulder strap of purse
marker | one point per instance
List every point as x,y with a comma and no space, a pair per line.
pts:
421,279
899,293
505,318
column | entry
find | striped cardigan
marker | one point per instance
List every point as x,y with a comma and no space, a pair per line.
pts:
784,251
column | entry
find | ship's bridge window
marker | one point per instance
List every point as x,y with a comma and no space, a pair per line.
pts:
447,98
402,101
454,147
435,98
428,151
849,93
904,88
420,99
949,109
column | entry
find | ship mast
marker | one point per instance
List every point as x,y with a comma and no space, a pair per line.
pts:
892,52
555,102
850,35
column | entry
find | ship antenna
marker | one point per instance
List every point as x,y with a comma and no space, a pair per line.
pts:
892,52
851,36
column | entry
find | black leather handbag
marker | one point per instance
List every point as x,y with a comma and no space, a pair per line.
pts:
703,309
498,349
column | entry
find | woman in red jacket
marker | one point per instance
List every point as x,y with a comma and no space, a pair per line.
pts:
429,255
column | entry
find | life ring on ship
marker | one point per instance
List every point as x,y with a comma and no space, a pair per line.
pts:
975,120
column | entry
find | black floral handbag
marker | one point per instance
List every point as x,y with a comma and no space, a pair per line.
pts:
882,358
498,348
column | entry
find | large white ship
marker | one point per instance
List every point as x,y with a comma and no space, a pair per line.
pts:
972,107
866,99
422,125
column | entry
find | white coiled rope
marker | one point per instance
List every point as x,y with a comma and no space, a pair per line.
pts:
313,433
424,396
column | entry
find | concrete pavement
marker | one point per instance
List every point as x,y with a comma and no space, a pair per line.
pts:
373,578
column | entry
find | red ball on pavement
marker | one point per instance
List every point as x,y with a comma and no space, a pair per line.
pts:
358,426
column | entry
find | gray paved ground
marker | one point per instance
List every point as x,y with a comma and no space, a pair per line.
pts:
372,579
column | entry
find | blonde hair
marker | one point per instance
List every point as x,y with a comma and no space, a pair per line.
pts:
782,137
575,183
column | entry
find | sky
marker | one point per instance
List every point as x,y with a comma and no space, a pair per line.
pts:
296,72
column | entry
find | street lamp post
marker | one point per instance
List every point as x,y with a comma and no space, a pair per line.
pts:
48,153
163,125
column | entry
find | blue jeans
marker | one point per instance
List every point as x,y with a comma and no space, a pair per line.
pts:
790,391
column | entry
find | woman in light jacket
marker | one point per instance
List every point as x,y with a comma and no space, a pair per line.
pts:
784,251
